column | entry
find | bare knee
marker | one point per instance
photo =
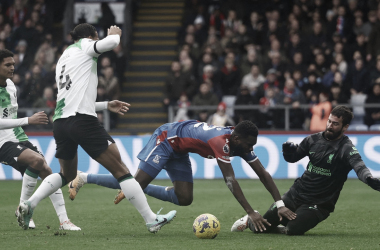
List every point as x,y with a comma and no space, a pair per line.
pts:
38,162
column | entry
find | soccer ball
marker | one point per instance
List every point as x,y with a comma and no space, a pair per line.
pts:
206,226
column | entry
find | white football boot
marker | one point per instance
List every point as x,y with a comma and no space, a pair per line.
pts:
68,225
75,185
240,225
161,220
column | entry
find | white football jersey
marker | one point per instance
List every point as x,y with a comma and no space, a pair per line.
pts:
8,109
77,80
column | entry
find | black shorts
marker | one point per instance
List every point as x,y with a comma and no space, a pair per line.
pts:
10,150
83,130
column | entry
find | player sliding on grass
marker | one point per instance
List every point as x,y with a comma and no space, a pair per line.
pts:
169,148
313,196
76,123
16,150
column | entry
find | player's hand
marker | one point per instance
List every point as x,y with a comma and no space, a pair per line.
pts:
374,183
257,221
114,30
286,212
38,118
289,147
119,107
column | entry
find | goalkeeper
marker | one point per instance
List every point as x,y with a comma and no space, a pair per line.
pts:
313,196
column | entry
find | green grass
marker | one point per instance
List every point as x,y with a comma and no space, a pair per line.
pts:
353,225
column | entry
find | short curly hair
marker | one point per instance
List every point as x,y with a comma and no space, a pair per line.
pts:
4,53
246,128
83,30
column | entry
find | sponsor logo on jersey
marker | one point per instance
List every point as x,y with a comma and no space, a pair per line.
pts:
330,158
157,159
226,148
317,170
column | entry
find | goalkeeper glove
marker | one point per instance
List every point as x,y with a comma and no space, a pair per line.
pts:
289,147
373,183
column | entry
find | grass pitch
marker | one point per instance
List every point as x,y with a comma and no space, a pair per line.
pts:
353,225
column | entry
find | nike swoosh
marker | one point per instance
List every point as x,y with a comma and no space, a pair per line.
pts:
162,222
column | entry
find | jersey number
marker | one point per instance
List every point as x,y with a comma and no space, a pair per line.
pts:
67,82
206,126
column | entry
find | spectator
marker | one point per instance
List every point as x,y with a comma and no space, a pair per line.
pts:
372,115
244,98
183,104
230,76
232,22
221,118
176,84
207,59
298,64
375,73
320,113
253,80
277,64
212,79
33,87
204,98
342,64
217,21
317,38
47,100
357,78
337,95
362,28
266,113
271,82
254,28
248,60
16,13
328,78
312,87
292,96
373,48
110,83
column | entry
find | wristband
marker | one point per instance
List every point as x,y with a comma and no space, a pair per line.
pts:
280,203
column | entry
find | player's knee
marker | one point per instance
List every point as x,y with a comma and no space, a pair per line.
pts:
185,201
294,229
38,162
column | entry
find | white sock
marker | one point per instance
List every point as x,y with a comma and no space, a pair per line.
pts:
59,205
133,192
84,177
49,185
28,185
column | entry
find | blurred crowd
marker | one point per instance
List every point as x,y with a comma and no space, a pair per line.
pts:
314,52
27,28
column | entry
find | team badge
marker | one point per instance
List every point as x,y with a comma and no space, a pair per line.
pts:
157,159
226,149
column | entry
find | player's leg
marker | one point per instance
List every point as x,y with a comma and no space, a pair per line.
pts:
179,170
308,216
104,180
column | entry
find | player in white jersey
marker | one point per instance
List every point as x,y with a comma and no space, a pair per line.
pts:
16,150
75,123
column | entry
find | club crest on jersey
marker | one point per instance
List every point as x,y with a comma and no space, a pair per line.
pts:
330,158
157,159
226,148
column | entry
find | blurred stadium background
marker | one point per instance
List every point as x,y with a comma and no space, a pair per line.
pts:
281,64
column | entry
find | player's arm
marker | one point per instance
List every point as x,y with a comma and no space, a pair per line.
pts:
110,41
36,119
114,106
269,184
229,177
361,170
292,152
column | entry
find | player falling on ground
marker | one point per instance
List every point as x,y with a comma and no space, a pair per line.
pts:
16,150
169,148
76,123
313,196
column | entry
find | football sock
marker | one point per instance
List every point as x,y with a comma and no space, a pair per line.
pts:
59,205
29,182
133,192
160,192
48,186
104,180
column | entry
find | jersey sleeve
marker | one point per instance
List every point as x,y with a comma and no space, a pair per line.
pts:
354,161
250,157
221,148
88,46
